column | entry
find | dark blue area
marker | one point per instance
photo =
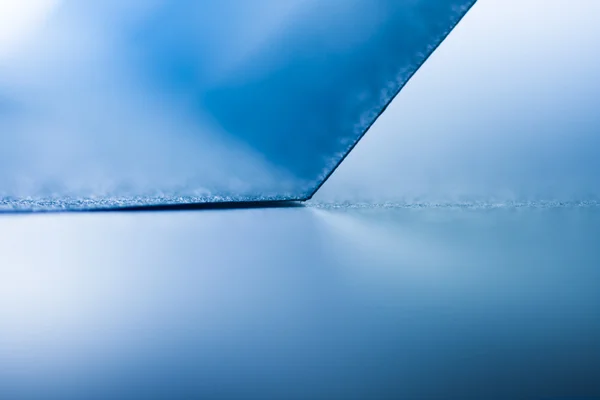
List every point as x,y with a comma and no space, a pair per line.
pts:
299,100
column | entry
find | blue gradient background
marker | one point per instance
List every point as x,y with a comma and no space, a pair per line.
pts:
504,110
454,255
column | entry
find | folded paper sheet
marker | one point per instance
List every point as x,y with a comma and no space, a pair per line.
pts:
137,102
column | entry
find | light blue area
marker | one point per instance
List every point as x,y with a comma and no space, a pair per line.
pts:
503,111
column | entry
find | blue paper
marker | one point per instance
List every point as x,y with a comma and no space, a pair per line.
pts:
136,103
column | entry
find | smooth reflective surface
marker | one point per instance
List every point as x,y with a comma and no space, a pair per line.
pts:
158,102
466,301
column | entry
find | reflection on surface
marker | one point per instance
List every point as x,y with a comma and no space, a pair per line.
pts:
302,303
136,102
